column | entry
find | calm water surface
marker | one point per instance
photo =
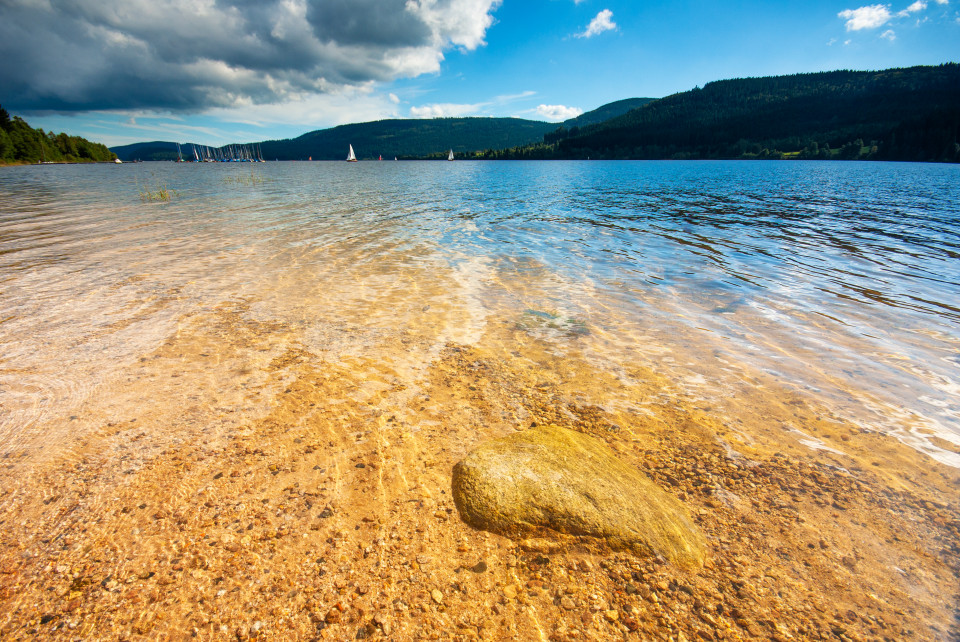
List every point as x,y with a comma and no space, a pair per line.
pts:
838,280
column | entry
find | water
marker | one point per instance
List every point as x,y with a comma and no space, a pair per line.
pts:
840,280
238,410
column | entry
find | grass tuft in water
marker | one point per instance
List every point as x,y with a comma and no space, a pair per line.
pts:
160,194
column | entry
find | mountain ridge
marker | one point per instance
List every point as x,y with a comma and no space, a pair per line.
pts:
908,113
396,137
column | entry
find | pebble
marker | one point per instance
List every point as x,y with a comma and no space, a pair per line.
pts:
510,592
437,596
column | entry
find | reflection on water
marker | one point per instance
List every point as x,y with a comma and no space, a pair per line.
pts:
840,279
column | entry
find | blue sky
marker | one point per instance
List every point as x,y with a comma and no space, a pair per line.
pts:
234,71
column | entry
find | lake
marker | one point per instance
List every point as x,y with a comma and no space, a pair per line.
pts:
778,311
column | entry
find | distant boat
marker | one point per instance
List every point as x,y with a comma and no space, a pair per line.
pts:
381,157
351,157
450,155
117,161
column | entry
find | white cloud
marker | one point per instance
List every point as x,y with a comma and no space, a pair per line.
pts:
919,5
603,21
869,17
558,112
509,98
394,98
889,35
445,110
314,111
463,23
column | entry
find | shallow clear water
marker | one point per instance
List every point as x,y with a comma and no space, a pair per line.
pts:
839,280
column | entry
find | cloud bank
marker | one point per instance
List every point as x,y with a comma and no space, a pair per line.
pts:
183,55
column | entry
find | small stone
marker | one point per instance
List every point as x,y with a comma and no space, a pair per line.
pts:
479,567
437,596
567,603
510,592
611,615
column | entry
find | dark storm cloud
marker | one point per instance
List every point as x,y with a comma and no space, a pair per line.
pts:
367,22
82,55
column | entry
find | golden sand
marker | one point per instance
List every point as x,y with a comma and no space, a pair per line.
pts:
234,484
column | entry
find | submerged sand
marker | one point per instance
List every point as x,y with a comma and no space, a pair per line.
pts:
234,484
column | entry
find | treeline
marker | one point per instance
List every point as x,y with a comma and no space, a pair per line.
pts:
20,143
899,114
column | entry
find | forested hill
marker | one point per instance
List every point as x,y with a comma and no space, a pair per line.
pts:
20,143
603,113
896,114
158,150
408,138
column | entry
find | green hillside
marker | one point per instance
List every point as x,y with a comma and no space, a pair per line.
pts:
603,113
20,143
897,114
153,151
411,138
606,112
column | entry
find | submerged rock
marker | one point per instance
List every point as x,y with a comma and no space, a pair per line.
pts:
558,479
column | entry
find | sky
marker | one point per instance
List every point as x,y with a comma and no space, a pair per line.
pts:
230,71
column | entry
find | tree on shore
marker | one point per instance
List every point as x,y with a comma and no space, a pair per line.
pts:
20,143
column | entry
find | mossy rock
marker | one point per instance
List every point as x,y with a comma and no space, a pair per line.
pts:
561,480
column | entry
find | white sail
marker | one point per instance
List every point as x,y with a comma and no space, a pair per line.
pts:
450,155
351,156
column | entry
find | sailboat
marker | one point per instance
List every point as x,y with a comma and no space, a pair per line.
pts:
450,155
351,157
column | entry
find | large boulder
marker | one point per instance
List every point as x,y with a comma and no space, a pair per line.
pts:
552,478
